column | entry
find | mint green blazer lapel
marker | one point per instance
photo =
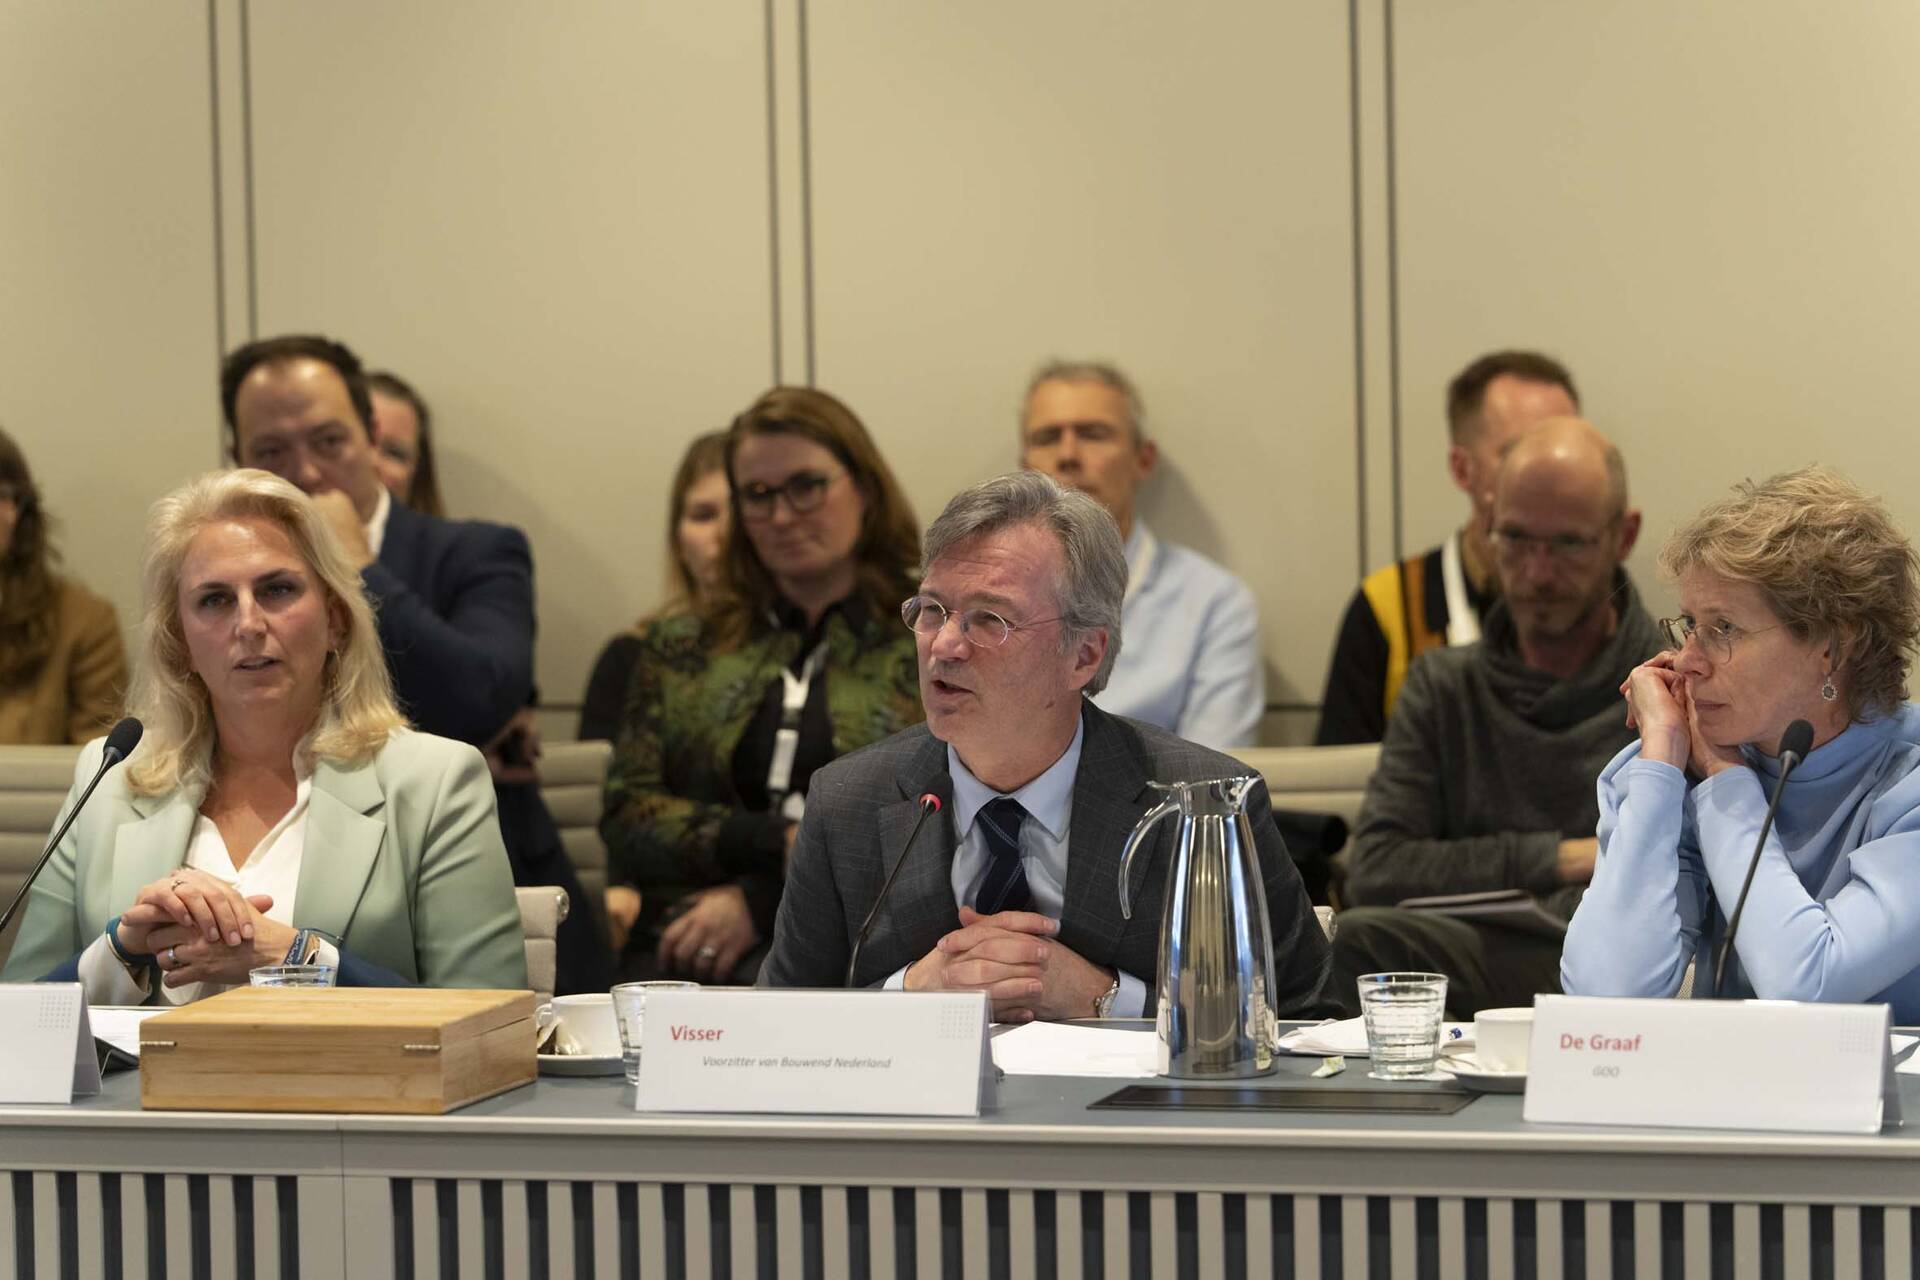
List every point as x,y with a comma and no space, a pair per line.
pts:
146,850
344,833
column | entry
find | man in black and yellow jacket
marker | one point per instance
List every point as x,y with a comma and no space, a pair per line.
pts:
1439,596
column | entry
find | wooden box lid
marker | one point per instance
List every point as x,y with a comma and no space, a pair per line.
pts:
381,1049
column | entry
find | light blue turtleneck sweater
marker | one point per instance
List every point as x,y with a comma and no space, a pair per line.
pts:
1834,913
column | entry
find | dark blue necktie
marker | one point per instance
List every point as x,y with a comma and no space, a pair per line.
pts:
1005,888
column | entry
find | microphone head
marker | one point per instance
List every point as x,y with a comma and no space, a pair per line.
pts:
122,739
1797,741
928,800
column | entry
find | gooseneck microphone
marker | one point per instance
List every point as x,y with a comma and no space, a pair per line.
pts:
929,805
1794,745
120,744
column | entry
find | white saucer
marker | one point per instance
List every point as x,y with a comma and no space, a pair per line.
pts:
1468,1071
576,1064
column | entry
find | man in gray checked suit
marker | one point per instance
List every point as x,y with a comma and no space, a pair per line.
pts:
1012,887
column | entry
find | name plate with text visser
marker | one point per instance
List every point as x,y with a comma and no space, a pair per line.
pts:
1712,1064
885,1053
46,1045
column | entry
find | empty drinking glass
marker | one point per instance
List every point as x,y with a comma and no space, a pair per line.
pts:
1402,1012
629,1007
292,975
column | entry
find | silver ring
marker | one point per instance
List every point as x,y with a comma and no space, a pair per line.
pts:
706,953
173,957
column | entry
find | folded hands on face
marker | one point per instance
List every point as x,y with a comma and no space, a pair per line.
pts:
1660,705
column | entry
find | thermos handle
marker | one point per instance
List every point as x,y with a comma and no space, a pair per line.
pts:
1172,804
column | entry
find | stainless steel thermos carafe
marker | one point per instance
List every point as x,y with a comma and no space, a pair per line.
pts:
1215,1016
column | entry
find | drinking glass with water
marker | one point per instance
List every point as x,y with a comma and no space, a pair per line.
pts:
1402,1012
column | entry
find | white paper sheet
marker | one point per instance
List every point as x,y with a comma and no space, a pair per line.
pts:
1056,1049
1348,1038
120,1026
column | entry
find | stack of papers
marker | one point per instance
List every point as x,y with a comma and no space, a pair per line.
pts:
1348,1038
1056,1049
120,1026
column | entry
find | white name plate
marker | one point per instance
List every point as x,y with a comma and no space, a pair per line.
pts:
876,1053
46,1047
1711,1064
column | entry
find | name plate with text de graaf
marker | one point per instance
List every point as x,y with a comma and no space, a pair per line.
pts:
1712,1064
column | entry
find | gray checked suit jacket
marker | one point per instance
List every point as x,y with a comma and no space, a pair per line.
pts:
861,808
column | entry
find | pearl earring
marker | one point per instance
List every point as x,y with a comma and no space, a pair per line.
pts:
1827,691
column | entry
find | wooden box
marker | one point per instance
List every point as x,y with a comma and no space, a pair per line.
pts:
401,1049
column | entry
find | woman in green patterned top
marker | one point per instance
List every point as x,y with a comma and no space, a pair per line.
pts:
794,658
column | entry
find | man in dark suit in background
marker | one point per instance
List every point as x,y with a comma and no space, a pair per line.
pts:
454,599
1011,888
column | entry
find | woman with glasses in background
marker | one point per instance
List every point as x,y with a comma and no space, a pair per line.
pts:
62,669
793,657
1798,602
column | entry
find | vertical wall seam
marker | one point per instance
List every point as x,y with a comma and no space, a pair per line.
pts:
219,196
806,191
219,221
1393,292
773,187
246,131
1359,284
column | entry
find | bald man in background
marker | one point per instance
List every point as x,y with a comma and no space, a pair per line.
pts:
1440,596
1486,774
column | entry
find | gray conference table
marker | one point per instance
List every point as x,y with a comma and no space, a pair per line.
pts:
562,1178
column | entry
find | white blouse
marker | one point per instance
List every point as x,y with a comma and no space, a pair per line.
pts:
273,867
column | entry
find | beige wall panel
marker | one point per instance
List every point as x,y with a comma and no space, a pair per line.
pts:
107,337
994,183
553,219
1707,208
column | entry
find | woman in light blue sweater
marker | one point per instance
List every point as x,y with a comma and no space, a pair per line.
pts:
1799,602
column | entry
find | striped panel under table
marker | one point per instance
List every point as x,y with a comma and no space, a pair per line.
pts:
450,1229
149,1226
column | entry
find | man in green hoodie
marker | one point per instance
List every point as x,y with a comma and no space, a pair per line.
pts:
1486,774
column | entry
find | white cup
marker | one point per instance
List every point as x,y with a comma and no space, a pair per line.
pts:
1501,1037
588,1018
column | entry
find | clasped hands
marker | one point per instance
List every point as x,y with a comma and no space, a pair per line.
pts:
199,928
1012,956
1660,705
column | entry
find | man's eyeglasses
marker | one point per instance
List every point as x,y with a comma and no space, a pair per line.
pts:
926,616
1563,547
803,490
1716,638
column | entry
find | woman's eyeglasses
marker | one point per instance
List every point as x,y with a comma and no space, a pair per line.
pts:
803,490
1716,638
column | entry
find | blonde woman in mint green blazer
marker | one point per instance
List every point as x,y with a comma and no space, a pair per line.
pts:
270,731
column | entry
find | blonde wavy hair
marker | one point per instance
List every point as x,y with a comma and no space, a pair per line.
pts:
357,711
1832,565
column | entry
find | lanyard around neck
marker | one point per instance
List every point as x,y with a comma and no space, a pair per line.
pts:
786,740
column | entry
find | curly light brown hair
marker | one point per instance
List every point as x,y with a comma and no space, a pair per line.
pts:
1832,565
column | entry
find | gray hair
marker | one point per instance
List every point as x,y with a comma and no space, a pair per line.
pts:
1094,585
1107,375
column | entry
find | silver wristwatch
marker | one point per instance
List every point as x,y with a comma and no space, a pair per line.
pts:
1103,1003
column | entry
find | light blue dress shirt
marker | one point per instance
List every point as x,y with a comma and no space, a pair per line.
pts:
1190,653
1834,913
1048,800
